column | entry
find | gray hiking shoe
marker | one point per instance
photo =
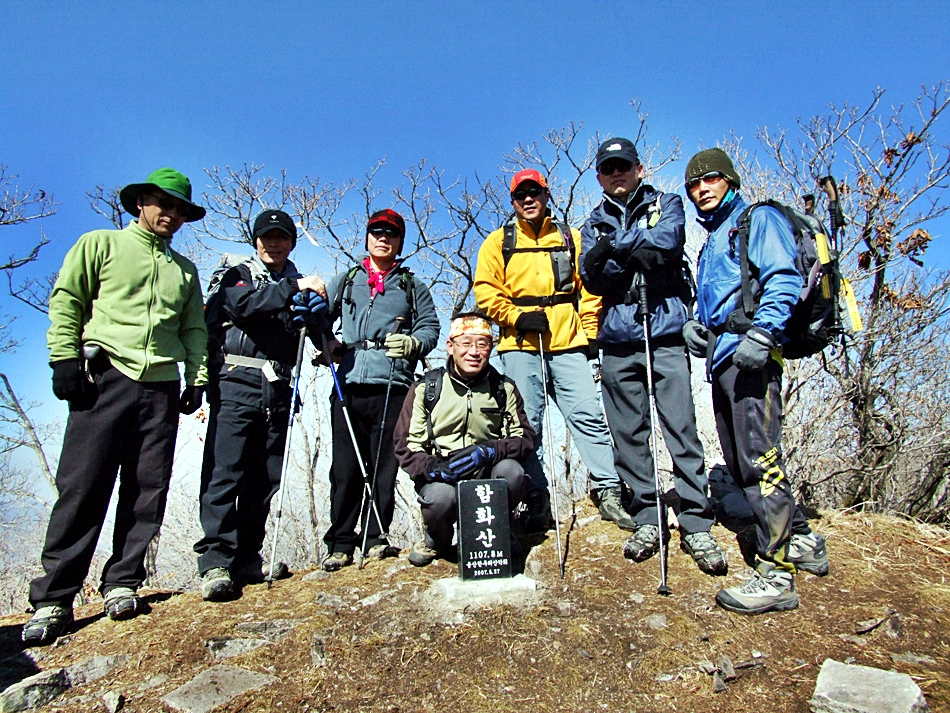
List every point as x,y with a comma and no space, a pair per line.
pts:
216,585
808,553
706,553
770,589
422,555
642,544
337,561
46,625
382,551
611,508
122,603
256,572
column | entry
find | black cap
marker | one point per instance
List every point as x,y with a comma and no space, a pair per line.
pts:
274,220
618,148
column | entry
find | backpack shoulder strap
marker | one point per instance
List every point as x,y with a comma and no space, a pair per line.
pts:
433,390
344,291
508,242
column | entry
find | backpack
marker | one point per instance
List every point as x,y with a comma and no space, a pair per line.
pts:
215,319
564,270
815,319
433,390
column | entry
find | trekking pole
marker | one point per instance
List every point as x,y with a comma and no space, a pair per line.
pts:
379,447
283,467
550,449
663,589
349,427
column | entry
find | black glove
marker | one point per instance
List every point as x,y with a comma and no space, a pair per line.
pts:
465,463
69,382
598,254
437,471
190,399
697,338
532,321
592,349
754,350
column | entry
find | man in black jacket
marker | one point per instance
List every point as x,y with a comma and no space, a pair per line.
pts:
253,346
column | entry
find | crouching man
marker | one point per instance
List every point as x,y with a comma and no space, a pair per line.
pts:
462,421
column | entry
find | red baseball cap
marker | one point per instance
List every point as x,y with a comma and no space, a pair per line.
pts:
388,217
528,174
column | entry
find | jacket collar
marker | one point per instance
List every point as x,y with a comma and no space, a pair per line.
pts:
711,221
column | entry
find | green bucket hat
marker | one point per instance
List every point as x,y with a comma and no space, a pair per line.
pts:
168,180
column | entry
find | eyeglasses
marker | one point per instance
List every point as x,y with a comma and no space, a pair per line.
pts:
478,345
611,166
390,233
169,204
707,178
534,192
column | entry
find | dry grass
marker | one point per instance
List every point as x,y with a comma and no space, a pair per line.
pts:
584,644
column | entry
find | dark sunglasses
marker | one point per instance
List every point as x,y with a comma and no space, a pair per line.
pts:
707,178
169,204
534,192
378,232
609,167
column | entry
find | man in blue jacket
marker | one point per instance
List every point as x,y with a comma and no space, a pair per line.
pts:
632,241
747,368
253,349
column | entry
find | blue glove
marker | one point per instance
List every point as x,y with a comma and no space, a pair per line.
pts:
467,462
754,350
309,310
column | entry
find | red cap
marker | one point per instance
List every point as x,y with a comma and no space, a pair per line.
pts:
389,217
528,174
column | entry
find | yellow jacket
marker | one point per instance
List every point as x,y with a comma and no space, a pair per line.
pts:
530,274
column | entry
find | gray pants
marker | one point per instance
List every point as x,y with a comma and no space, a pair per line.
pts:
627,404
439,502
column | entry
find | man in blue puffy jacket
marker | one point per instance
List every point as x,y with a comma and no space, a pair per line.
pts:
747,368
634,240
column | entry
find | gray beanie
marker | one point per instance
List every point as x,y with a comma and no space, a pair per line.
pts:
712,161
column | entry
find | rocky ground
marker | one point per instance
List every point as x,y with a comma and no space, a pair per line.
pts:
600,639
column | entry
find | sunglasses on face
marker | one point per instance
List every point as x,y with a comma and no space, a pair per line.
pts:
608,168
391,233
520,195
707,178
169,204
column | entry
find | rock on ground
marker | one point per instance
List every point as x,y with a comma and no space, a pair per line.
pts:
213,687
846,688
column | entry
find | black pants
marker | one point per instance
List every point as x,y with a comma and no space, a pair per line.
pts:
748,410
240,474
129,430
627,405
365,405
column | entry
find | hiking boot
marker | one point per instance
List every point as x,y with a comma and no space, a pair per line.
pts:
705,552
256,572
381,551
770,589
337,561
122,603
538,504
611,508
422,555
642,544
216,585
46,625
808,553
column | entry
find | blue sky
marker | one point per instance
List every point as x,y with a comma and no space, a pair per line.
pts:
105,92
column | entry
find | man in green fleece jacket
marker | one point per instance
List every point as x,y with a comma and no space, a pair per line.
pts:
125,310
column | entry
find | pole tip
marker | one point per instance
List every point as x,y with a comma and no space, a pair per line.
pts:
664,591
